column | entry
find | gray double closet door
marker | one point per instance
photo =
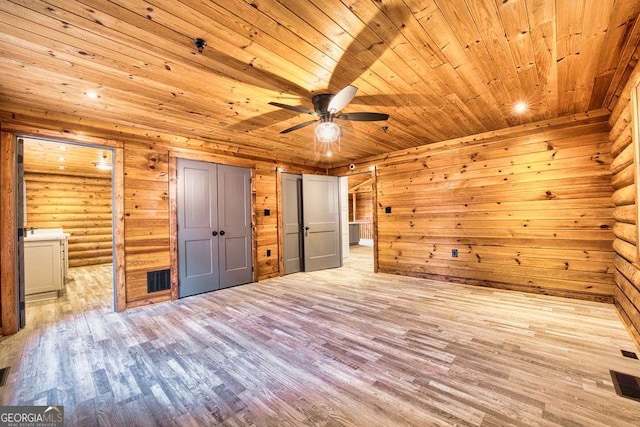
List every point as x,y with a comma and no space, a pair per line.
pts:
214,226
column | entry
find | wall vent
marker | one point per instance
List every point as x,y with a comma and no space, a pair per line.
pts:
158,281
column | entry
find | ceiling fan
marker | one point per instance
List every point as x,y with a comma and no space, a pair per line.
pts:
328,107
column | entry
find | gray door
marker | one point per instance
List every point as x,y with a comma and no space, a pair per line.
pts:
292,222
197,227
234,225
321,215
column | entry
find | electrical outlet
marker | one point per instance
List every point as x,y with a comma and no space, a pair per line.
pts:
454,253
268,252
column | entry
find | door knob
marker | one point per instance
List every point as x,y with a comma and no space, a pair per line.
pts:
215,233
222,232
306,229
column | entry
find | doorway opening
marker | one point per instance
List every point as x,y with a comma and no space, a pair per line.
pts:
360,206
312,220
67,214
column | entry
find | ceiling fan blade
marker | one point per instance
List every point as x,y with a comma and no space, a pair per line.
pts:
342,99
299,126
293,108
363,117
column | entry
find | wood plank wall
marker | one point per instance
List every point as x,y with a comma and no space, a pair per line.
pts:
625,170
147,214
146,209
79,205
364,207
146,217
526,213
528,208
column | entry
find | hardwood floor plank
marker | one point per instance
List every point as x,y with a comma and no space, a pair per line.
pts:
341,347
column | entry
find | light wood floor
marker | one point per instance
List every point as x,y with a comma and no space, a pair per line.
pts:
331,348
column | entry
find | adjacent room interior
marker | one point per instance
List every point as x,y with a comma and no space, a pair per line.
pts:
347,212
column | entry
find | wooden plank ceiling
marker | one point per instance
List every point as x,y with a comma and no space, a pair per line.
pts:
65,159
441,68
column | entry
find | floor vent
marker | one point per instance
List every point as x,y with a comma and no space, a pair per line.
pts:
626,385
629,354
4,374
158,280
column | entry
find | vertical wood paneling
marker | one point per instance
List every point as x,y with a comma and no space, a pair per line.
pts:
625,165
81,206
9,321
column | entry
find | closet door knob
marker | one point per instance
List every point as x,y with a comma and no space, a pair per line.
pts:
215,233
222,232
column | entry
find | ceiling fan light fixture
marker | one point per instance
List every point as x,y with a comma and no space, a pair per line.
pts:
327,132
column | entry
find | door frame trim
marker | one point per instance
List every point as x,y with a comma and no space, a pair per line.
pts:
173,210
8,265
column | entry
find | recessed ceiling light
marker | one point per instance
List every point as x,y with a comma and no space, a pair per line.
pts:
61,159
61,167
520,107
62,148
92,95
329,154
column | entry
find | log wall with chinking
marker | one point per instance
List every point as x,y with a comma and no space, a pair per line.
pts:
528,208
625,170
79,205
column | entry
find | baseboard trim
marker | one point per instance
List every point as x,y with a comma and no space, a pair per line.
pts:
607,299
148,301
